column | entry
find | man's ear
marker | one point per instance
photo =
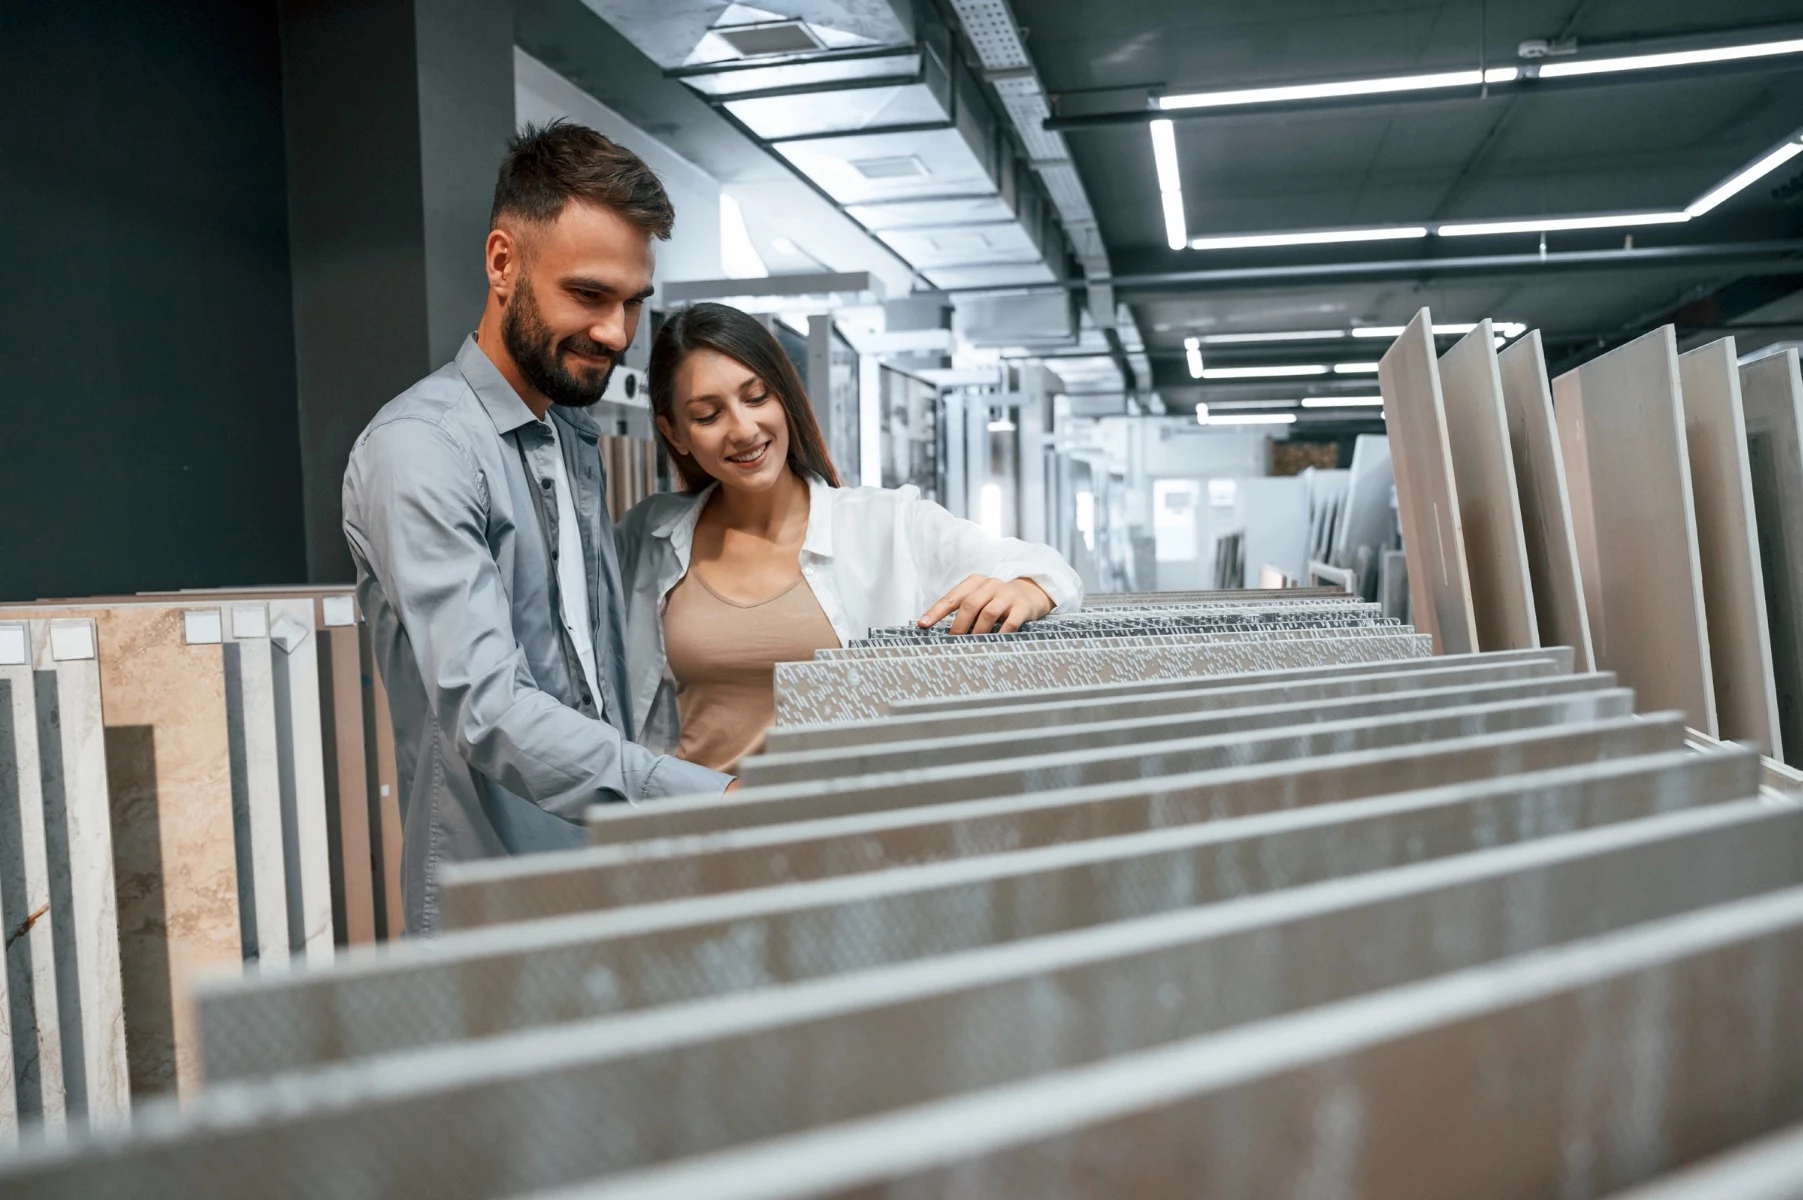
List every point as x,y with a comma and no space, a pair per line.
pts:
503,260
663,427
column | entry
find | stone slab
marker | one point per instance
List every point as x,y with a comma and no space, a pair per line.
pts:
26,891
914,727
1133,687
810,692
84,901
654,954
1369,520
985,745
971,781
250,706
169,782
1150,637
1477,432
617,874
1440,1088
1427,502
1156,997
1641,564
1740,645
1545,501
1772,401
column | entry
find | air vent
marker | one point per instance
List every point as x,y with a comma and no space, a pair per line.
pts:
900,166
775,37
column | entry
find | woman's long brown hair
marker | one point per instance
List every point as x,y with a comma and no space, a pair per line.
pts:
745,340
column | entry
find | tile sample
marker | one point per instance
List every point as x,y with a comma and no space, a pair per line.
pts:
256,781
347,770
1370,518
1546,502
84,897
294,660
169,781
385,796
1772,399
1427,501
810,692
1621,432
35,1020
1483,467
1740,647
264,1026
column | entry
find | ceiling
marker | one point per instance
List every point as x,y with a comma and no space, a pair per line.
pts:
1647,141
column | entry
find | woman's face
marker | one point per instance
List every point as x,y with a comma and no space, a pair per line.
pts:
728,420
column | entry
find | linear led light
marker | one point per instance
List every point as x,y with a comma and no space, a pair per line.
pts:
1674,58
1247,419
1554,224
1311,237
1506,329
1170,183
1246,339
1342,401
1337,88
1739,182
1264,372
1355,368
1192,349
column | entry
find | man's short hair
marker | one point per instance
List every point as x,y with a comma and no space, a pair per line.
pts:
547,166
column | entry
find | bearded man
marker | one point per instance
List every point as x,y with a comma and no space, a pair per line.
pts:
485,557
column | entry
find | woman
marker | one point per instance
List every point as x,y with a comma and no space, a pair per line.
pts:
763,558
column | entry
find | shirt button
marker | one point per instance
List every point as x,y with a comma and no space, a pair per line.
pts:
545,483
553,556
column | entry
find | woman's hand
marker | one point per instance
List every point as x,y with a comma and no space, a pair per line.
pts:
986,605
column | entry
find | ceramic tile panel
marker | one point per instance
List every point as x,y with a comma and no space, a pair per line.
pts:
1621,427
1193,635
1483,466
1772,399
808,693
1427,501
256,780
1546,502
84,898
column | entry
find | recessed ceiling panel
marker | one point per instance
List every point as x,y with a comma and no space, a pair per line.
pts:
947,247
950,166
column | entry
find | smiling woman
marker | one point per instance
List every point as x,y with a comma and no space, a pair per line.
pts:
765,558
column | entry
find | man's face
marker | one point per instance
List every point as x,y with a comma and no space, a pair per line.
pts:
575,303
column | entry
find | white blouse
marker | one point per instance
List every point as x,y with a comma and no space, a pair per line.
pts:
873,557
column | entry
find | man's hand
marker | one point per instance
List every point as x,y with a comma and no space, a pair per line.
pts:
986,605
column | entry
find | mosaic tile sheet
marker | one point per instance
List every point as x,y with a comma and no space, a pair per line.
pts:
815,692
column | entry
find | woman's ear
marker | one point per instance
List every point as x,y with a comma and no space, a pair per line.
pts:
676,443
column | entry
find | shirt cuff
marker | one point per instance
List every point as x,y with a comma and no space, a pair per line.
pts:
670,776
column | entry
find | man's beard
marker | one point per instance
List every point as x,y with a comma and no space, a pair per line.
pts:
528,340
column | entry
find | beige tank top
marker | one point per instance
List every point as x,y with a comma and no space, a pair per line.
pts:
723,656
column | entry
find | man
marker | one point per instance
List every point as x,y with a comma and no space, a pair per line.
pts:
485,558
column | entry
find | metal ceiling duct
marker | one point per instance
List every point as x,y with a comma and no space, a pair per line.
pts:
884,119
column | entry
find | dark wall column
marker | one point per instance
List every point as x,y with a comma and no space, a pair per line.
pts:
397,114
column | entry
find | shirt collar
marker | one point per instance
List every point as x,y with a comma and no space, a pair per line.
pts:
505,408
680,528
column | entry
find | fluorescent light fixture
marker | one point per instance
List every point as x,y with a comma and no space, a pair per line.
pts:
1342,401
1192,349
1507,329
1265,372
1674,58
1201,414
1170,183
1337,88
1002,426
1355,368
1738,182
1554,224
1248,419
1246,339
1310,237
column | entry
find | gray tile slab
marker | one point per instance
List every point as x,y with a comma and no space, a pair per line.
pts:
480,1119
946,704
1546,502
1440,1088
661,954
810,692
986,745
911,727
